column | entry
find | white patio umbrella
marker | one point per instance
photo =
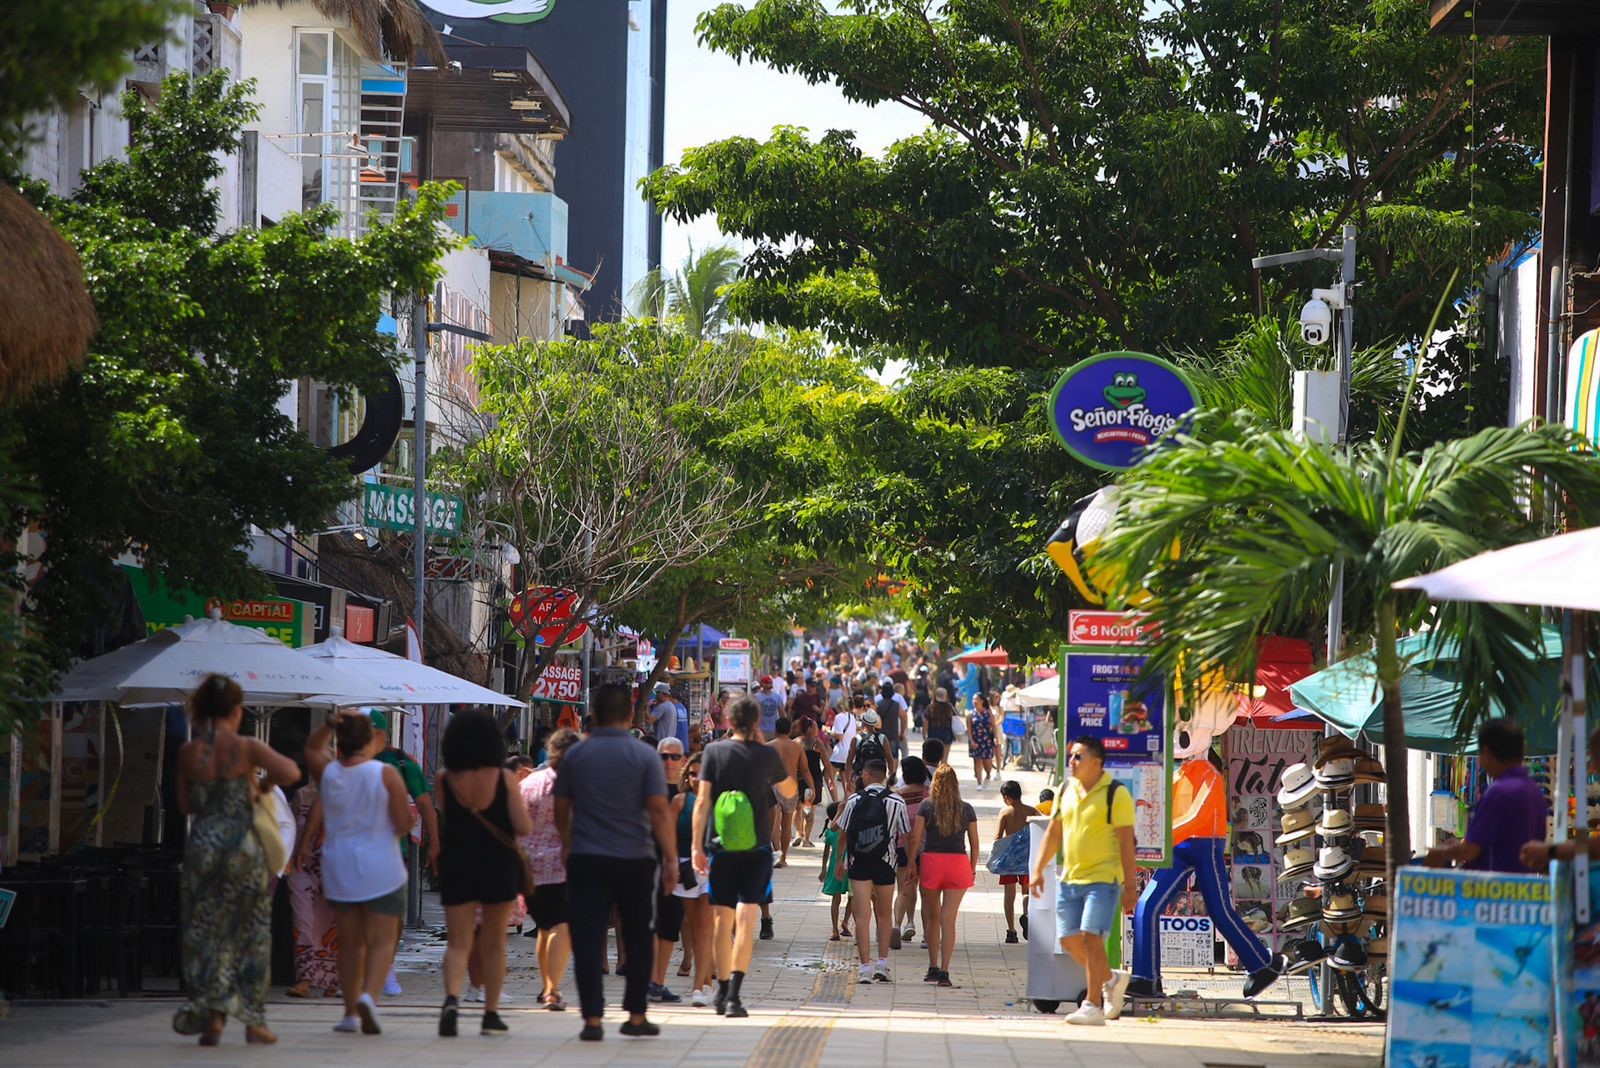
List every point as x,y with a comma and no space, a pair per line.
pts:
1562,571
166,667
397,680
1045,692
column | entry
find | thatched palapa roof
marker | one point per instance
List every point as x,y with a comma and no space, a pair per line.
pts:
46,316
396,28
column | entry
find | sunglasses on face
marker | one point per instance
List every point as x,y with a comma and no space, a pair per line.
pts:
671,756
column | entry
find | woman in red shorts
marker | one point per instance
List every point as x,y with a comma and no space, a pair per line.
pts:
944,845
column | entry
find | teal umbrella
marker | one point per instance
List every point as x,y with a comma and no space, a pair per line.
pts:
1346,696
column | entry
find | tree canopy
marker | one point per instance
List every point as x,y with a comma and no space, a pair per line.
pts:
169,443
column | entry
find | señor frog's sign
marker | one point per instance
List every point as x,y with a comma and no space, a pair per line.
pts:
495,10
1110,408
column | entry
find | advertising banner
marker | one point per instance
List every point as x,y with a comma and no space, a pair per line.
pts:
733,667
560,682
1186,941
288,621
1470,969
1105,699
1256,762
1109,409
394,508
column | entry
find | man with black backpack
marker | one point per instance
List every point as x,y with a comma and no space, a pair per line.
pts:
870,744
872,823
892,710
740,777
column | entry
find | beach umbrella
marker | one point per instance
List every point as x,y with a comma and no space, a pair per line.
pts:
984,657
399,681
166,667
1045,692
1346,696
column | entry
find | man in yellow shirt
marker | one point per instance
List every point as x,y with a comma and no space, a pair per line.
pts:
1094,816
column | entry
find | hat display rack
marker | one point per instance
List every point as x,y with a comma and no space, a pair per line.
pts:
1322,825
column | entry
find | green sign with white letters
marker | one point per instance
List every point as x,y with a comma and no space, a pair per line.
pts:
394,508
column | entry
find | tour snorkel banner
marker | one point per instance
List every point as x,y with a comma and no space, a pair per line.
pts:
1109,409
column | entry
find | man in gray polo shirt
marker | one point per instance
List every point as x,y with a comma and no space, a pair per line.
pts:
611,811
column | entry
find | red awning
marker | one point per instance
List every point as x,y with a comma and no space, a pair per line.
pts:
1280,662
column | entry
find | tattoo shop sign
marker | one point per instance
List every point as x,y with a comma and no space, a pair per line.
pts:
1109,409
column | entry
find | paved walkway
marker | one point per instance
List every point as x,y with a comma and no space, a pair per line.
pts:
806,1009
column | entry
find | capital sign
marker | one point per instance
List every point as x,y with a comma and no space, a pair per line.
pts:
1109,409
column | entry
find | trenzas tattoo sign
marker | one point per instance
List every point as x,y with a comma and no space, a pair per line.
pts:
1110,408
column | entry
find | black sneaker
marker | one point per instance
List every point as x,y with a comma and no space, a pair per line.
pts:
591,1033
1023,920
493,1025
447,1018
944,979
932,976
766,929
1143,988
1262,978
661,994
721,1002
640,1030
736,1010
1011,938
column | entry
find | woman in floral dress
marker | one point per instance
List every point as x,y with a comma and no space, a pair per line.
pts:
227,902
980,739
316,931
549,905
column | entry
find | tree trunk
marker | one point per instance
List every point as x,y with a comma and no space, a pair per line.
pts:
1397,835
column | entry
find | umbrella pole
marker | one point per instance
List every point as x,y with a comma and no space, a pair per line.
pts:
1577,669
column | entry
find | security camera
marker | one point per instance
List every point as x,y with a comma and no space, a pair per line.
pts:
1316,322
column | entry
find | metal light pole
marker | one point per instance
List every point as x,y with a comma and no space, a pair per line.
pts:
419,515
1344,306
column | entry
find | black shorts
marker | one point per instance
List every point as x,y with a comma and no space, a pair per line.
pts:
548,906
669,917
877,871
741,878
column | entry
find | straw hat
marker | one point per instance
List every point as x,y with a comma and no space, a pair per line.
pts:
1335,823
1369,769
1377,905
1298,824
1296,861
1336,772
1340,904
1372,860
1333,863
1349,955
1296,785
1302,911
1334,747
1369,817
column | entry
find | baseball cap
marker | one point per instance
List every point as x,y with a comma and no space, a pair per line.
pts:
380,721
766,680
661,687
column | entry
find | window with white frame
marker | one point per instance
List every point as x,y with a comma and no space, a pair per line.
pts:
328,84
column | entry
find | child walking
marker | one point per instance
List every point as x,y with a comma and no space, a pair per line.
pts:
835,887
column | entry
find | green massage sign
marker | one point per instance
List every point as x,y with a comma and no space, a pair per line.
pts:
513,11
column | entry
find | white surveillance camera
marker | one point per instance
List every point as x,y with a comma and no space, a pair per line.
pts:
1316,322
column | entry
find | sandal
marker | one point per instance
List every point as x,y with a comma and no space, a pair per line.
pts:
553,1002
299,990
834,937
683,969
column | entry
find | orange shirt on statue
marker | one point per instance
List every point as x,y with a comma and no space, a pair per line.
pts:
1200,795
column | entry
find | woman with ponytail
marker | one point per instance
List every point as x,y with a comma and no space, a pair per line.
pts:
946,828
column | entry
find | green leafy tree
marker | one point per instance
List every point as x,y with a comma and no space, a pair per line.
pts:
582,453
50,53
169,443
1098,173
1264,518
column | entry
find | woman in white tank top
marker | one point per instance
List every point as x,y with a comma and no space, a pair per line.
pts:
365,811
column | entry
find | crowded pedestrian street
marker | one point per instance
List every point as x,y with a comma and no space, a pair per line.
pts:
806,1009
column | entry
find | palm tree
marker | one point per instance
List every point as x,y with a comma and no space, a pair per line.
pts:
697,295
1264,517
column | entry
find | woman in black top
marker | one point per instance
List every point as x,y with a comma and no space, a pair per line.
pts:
478,860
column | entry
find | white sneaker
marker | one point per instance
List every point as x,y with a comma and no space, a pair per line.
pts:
866,973
391,985
474,994
881,972
348,1026
700,998
1115,990
1088,1015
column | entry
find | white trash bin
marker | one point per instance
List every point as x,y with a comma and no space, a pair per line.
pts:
1054,978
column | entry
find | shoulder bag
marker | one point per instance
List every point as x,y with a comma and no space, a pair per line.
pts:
525,862
264,822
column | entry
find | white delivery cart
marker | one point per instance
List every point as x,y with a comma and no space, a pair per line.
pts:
1054,978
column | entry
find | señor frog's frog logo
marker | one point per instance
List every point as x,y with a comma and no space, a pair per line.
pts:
1110,409
494,10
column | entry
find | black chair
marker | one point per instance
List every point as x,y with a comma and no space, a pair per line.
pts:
112,936
39,944
160,931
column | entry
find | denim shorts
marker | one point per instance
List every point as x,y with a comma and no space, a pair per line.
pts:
1086,908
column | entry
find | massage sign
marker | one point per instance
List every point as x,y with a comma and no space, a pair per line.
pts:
1111,408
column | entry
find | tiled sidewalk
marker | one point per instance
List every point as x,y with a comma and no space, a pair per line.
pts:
806,1009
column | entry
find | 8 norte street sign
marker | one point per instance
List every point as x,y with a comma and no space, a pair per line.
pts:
393,508
1110,408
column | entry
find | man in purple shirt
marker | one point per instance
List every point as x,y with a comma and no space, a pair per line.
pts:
1511,812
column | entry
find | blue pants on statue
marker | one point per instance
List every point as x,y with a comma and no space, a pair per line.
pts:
1201,858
